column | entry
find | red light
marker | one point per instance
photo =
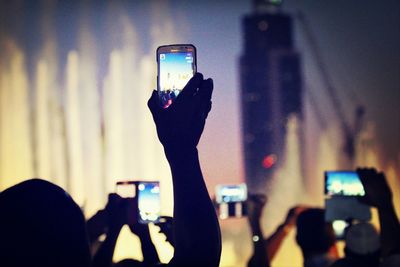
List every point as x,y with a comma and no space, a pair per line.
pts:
269,161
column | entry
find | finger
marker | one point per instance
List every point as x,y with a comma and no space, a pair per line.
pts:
203,98
166,218
364,199
364,175
154,104
191,87
205,90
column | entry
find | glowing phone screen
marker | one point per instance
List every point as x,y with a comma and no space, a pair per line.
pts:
176,69
343,183
149,202
231,193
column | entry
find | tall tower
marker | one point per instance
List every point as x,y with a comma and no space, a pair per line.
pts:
270,89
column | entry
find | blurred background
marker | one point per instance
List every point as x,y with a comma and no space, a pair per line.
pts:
75,77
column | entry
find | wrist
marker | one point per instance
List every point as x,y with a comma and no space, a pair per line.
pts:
146,241
255,228
114,230
181,156
178,154
145,236
112,234
255,225
257,238
285,228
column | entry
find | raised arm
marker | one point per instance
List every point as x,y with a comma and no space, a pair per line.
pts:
179,127
264,250
150,255
379,195
275,240
255,205
115,213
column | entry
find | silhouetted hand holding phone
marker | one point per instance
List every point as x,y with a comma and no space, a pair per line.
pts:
181,125
377,191
179,128
378,194
96,226
116,210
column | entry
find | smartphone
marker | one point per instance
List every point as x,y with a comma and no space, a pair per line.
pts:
340,227
176,65
231,200
342,191
231,193
149,205
343,183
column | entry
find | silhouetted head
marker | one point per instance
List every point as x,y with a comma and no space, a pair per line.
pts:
362,245
314,235
41,225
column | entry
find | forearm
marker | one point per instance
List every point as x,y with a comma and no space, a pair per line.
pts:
390,230
196,228
259,257
104,255
150,256
274,242
96,226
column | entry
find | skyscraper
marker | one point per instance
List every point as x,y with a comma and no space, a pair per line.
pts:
270,89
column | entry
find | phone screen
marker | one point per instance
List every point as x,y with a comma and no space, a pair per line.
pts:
176,67
231,193
149,202
343,183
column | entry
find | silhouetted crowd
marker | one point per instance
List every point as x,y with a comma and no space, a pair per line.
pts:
41,225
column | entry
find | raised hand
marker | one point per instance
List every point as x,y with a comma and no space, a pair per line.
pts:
292,215
377,190
181,125
378,194
120,211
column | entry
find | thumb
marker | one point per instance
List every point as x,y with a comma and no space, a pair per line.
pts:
153,104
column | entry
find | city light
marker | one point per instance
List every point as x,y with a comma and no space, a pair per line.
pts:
269,161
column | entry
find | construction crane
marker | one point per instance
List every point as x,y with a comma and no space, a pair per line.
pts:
350,132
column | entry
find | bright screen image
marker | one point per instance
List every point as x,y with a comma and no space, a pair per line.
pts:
149,202
343,183
176,69
231,193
